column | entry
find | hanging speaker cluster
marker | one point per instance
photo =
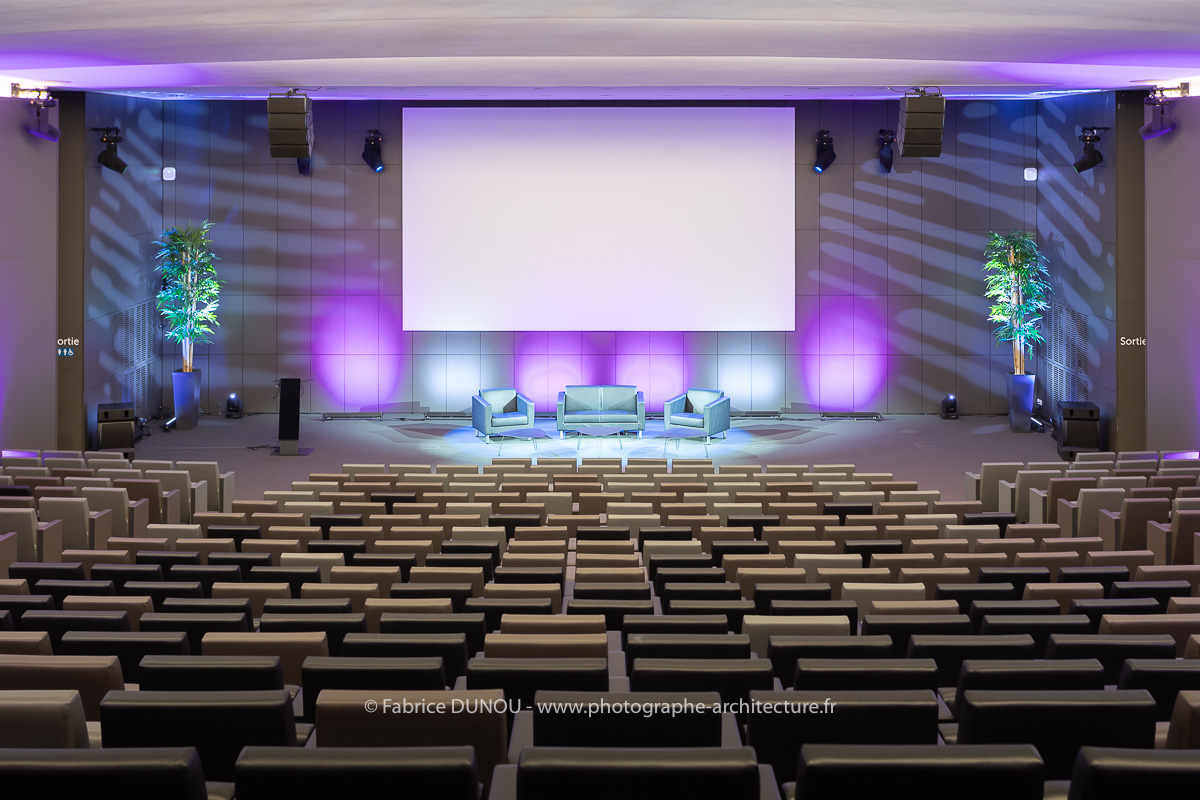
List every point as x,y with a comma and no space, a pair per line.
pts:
922,122
289,125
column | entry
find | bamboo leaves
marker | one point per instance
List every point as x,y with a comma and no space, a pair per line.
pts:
190,290
1018,284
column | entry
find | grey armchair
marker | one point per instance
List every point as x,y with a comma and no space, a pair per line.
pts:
707,409
495,410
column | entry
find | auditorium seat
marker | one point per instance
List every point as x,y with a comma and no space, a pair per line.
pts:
1112,773
704,773
268,773
931,772
1184,731
91,676
42,718
342,721
217,723
163,773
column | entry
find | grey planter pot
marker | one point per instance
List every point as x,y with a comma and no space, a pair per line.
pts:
186,386
1020,402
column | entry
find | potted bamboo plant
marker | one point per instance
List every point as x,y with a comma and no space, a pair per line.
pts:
188,302
1018,284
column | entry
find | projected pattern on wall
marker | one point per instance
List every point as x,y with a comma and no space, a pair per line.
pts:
888,286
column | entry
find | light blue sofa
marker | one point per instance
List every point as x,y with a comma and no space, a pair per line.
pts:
495,410
706,409
580,406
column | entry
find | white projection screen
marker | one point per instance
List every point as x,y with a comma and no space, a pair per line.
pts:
607,219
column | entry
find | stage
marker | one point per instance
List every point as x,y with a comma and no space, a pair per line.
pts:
925,448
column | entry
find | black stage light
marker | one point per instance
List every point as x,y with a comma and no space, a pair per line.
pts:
40,126
886,154
233,407
1091,156
949,407
825,154
110,138
373,151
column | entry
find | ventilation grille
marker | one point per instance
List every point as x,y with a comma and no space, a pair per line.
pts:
1064,356
135,351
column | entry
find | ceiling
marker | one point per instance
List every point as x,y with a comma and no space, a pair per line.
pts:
619,49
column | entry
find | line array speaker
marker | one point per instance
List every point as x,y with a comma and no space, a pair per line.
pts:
922,122
289,125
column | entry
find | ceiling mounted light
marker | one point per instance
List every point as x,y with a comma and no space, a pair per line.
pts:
1160,124
110,138
40,125
886,154
372,152
1091,156
825,154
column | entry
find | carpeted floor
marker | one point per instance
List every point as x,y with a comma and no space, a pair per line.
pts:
925,448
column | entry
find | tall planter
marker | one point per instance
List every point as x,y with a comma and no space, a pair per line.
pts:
1018,284
1020,402
188,303
186,387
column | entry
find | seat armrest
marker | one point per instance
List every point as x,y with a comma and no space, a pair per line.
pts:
525,406
481,414
1008,494
641,409
561,410
673,406
99,528
716,416
522,734
8,552
1068,510
1037,506
1110,529
226,489
171,512
139,517
1159,540
504,782
200,496
49,541
972,486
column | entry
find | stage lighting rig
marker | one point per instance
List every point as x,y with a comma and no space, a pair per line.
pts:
372,153
1091,157
887,154
110,138
825,154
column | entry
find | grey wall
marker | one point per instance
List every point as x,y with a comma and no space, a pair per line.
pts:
888,282
1173,283
1077,226
122,219
28,252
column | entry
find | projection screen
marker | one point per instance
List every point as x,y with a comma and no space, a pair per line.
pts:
610,219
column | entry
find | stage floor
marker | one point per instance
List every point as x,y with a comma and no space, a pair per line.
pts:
933,451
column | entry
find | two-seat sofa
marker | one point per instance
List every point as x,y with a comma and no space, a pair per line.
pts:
581,406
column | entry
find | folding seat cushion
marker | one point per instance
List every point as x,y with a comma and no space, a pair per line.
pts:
267,773
164,773
856,772
217,723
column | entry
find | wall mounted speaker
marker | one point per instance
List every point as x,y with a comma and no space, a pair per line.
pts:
289,125
922,123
